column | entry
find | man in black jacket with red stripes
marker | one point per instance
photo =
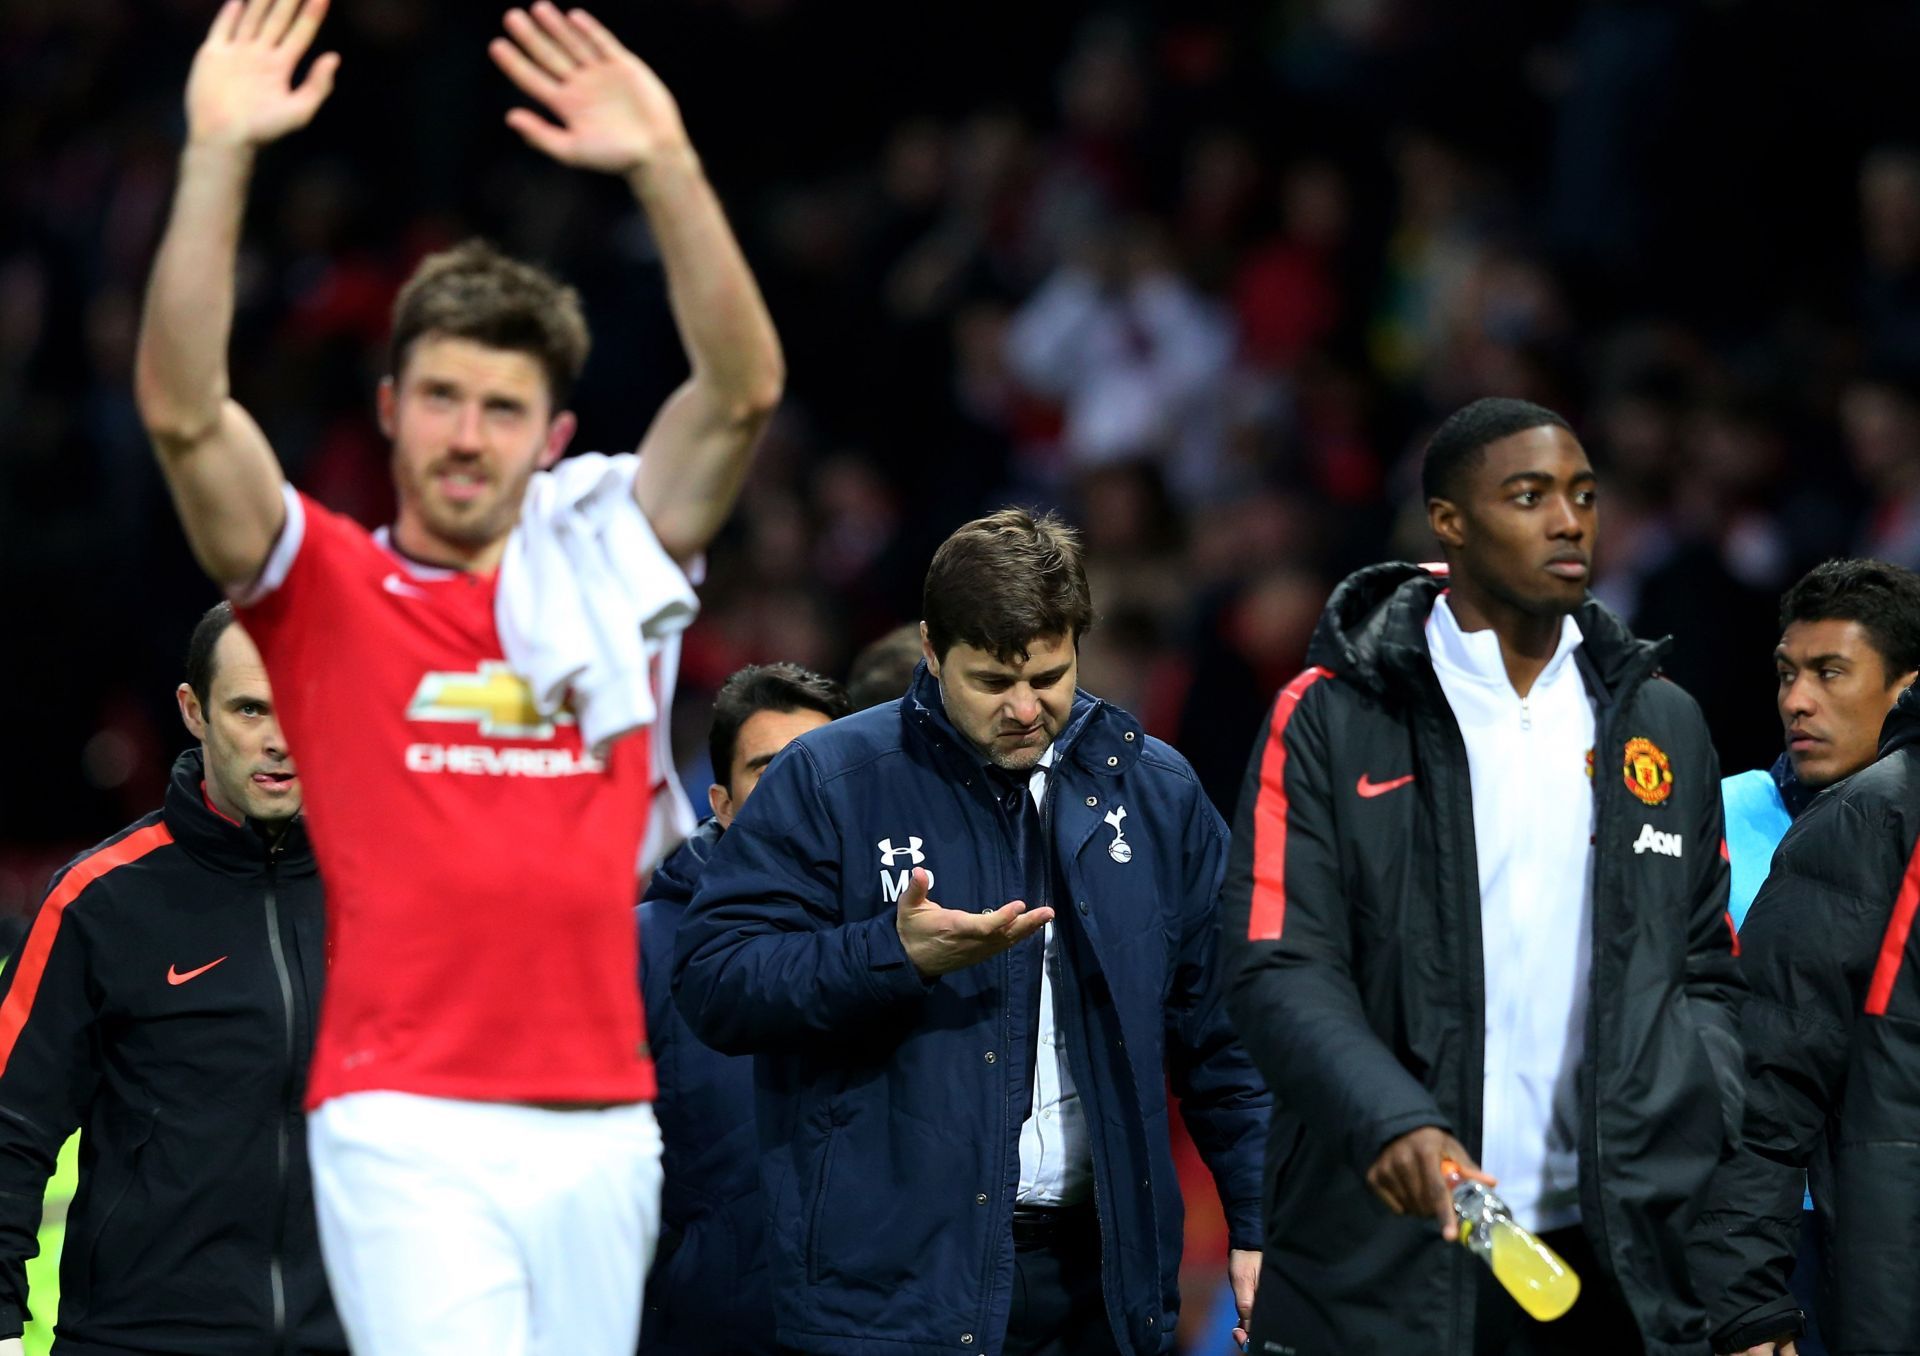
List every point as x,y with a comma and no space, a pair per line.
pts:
1476,910
163,1002
1832,1035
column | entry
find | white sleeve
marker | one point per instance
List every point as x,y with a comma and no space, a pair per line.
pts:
286,548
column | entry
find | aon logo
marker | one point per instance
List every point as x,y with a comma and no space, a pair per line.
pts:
1652,840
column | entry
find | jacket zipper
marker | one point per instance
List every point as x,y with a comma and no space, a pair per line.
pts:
1604,796
1067,1021
276,1267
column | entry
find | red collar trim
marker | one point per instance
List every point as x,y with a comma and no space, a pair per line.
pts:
215,808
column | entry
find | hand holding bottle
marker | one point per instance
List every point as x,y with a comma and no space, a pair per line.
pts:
1409,1177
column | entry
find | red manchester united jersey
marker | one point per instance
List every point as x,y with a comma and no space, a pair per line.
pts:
479,862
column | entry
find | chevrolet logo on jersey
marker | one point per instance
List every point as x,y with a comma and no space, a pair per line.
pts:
496,699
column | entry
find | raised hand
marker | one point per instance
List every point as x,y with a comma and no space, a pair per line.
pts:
939,940
240,91
614,113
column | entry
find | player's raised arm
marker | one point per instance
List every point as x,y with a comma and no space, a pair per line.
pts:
241,95
614,115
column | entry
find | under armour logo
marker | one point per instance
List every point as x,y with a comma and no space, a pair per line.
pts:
912,852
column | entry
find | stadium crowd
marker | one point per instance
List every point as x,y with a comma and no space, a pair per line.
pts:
1283,240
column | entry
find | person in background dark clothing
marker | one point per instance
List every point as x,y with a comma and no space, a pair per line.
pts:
707,1292
883,671
163,1002
1476,911
1833,1064
1849,646
962,1105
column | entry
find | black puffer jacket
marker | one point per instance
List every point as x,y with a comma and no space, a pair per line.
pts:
1832,1034
164,1002
1352,914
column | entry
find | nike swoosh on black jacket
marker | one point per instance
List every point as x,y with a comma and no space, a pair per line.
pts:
1352,927
1832,1034
163,1002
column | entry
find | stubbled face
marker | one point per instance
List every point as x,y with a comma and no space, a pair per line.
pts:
469,425
1009,711
250,774
1834,694
1524,526
763,734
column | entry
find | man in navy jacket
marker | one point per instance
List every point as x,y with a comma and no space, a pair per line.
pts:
707,1292
961,1104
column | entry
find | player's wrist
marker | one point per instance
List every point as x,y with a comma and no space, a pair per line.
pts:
663,167
218,148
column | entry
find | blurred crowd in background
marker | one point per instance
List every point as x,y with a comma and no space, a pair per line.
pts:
1201,274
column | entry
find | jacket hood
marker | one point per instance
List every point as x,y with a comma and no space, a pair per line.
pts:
1100,737
1373,633
1902,726
235,849
678,877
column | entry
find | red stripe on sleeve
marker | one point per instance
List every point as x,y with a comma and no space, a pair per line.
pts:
33,957
1269,911
1732,932
1894,945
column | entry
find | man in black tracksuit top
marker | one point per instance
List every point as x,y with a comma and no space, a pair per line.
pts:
1364,983
1832,1036
163,1003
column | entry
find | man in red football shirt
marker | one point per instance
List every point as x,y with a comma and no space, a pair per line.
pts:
486,1163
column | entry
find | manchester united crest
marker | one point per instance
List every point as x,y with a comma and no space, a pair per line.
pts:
1649,775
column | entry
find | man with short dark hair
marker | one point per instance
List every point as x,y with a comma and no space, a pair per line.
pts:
963,1132
476,692
707,1294
163,1003
1849,646
1831,1058
1476,911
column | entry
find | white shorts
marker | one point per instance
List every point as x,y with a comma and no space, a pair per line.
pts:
455,1228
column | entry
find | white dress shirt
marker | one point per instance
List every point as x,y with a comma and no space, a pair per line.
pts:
1533,838
1056,1162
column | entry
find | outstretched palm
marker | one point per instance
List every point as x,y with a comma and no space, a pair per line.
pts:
615,114
241,91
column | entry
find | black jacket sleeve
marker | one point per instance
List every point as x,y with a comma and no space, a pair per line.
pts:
47,1077
1716,990
1288,935
1806,949
1222,1100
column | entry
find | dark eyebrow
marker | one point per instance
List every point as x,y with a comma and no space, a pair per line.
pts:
996,675
1813,661
763,759
236,702
1543,477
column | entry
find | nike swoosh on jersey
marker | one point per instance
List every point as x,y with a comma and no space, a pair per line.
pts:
401,587
1368,788
176,977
